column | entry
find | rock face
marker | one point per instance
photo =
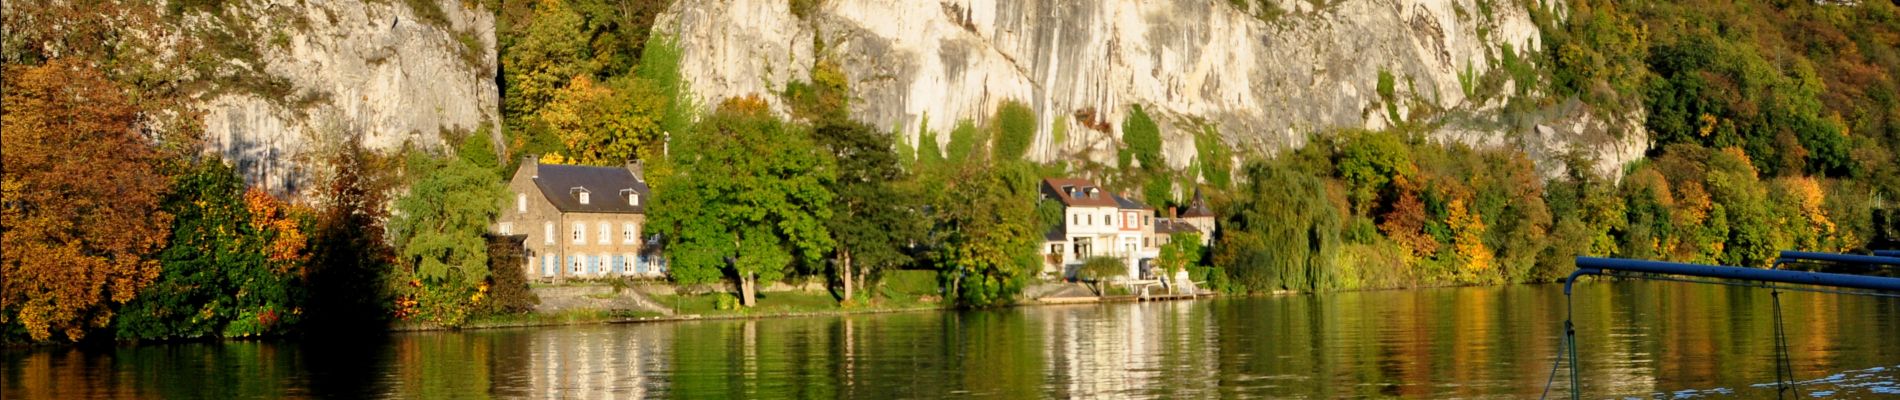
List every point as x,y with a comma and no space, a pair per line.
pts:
1263,79
375,70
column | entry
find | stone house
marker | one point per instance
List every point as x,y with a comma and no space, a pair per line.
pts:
581,221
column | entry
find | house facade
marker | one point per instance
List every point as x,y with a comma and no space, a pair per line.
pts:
1198,218
1095,223
580,221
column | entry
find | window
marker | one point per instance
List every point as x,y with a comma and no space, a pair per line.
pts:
574,264
1144,220
620,264
633,199
1091,219
547,232
580,233
583,197
521,203
1145,242
1075,219
642,263
606,234
628,233
507,228
593,265
547,265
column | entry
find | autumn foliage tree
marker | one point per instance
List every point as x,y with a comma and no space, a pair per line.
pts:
81,200
232,267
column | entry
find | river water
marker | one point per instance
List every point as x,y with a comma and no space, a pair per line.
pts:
1645,339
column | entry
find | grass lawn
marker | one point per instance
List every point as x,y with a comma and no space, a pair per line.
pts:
788,302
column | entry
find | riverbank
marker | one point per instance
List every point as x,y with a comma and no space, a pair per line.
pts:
782,304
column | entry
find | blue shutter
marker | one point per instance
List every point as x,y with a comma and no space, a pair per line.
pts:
641,262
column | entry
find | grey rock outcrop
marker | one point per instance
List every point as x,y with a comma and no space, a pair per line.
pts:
1263,80
375,70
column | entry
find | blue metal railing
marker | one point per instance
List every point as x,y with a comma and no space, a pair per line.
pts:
1599,266
1596,266
1891,258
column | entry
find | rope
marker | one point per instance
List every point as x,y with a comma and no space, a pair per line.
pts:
1784,363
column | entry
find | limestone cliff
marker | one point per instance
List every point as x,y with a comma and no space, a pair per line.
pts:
382,70
1264,75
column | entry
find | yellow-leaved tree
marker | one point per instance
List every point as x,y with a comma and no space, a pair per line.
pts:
81,202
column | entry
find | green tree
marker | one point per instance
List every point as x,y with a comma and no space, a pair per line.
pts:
965,141
745,199
1098,271
438,228
1142,138
1182,251
1015,130
218,275
873,219
986,231
1368,162
1280,233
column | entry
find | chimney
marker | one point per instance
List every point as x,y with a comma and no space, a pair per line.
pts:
532,164
1171,213
638,168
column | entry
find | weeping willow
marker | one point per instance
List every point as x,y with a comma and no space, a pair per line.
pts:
1281,233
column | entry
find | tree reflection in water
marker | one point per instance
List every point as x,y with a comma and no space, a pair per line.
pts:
1637,339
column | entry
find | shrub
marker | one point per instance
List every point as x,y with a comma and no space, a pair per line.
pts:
1015,130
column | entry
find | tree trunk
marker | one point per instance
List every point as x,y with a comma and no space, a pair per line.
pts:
747,292
844,264
858,274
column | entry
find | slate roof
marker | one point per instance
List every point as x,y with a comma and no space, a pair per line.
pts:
1129,204
1078,196
1056,234
1172,226
1198,208
603,184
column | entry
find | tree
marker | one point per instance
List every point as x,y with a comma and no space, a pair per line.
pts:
872,220
232,267
986,231
1015,130
350,260
1182,251
81,200
1143,138
1099,270
1281,233
745,199
439,229
1369,162
606,124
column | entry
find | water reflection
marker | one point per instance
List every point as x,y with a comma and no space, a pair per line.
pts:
1636,339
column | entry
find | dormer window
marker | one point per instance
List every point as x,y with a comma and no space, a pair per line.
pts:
633,197
579,193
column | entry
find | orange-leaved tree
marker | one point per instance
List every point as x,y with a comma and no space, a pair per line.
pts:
81,200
